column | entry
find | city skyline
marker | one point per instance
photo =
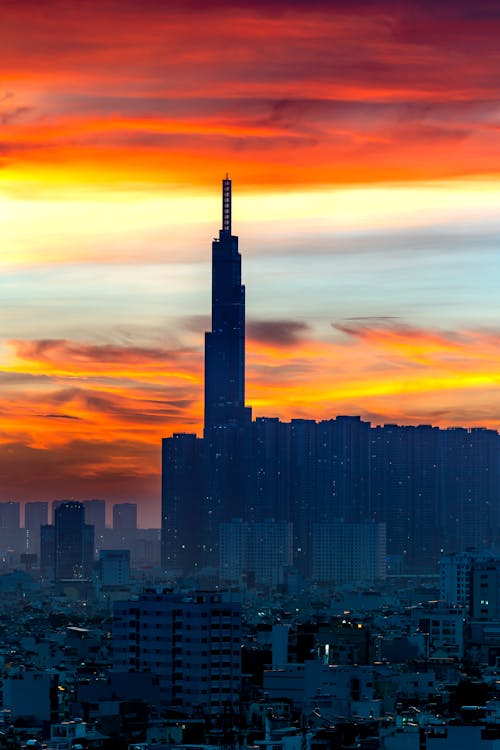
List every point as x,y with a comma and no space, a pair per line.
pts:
364,149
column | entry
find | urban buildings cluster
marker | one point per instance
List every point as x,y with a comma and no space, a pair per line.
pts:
124,665
303,492
68,547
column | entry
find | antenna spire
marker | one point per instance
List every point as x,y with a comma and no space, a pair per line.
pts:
226,205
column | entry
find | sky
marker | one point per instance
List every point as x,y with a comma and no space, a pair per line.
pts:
363,141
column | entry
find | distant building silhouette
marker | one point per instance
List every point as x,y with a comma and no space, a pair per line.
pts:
67,547
114,567
10,536
125,517
95,515
185,520
36,514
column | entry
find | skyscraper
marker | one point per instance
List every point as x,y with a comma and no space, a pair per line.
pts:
226,417
67,547
203,480
225,343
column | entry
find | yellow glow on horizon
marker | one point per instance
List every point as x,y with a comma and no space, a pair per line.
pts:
39,227
376,207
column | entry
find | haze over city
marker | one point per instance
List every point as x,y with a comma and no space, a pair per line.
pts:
363,144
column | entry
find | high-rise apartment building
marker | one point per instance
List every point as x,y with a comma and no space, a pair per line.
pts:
406,492
261,551
485,590
268,487
348,552
185,525
191,643
456,575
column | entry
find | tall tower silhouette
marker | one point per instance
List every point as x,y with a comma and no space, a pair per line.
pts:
203,480
225,343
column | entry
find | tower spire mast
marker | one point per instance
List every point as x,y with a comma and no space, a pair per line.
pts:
226,205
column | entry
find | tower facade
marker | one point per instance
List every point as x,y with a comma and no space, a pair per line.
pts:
225,343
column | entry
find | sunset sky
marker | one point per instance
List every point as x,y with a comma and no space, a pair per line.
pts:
363,141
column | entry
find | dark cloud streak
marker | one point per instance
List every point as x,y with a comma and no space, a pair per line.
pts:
280,333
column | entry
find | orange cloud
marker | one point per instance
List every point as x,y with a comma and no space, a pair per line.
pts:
61,357
119,93
60,391
96,412
374,368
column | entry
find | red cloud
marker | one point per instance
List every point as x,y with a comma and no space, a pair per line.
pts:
329,94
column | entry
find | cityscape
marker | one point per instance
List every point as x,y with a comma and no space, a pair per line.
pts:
249,501
312,584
